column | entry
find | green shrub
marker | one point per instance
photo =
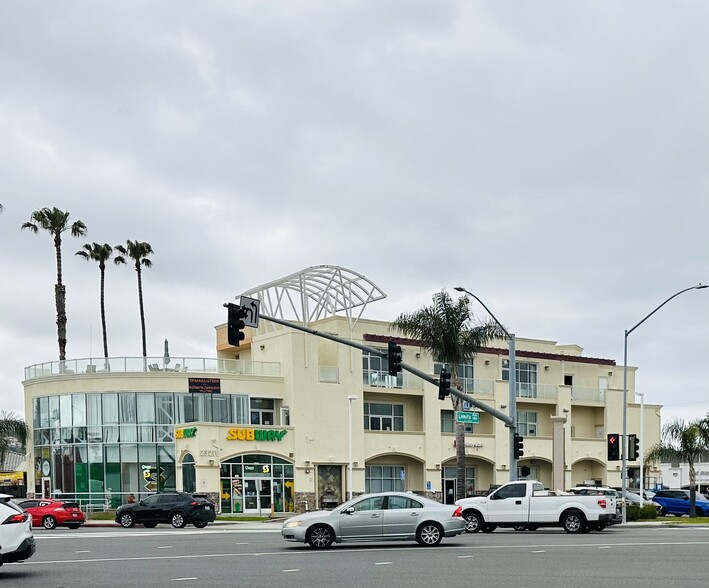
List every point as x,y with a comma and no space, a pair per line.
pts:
633,512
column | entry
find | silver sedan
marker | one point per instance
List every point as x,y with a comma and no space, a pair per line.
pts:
386,516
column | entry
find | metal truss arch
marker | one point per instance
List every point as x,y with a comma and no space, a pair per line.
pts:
316,293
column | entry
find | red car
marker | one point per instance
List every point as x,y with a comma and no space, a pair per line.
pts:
51,514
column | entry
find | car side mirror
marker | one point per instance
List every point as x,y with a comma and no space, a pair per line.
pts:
141,502
349,510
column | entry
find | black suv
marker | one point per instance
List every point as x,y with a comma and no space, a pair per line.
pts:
176,508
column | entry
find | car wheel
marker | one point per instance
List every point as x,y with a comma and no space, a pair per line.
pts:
49,522
200,524
662,510
677,514
429,534
73,526
150,525
488,528
127,520
177,519
320,537
574,521
532,527
700,512
473,522
520,528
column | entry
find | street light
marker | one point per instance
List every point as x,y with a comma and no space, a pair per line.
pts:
350,398
512,381
624,472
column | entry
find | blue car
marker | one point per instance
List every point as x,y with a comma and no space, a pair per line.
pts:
676,502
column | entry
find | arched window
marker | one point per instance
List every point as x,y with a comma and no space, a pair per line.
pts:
189,483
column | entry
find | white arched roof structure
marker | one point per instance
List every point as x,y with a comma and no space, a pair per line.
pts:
317,292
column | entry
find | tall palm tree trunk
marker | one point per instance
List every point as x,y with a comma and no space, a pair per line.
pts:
142,313
459,451
103,315
60,301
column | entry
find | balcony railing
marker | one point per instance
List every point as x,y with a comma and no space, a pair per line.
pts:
199,365
381,379
543,391
587,394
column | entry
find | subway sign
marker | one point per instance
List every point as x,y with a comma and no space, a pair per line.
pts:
185,433
254,435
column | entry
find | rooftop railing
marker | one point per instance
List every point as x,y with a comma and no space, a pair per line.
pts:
198,365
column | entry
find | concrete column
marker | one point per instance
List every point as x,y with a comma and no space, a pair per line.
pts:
558,452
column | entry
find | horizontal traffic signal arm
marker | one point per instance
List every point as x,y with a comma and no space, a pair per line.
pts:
509,421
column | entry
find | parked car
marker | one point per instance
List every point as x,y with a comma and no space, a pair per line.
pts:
16,539
176,508
385,516
676,502
51,514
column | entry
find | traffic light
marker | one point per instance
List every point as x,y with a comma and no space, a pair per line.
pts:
633,447
444,385
519,446
613,447
394,354
235,324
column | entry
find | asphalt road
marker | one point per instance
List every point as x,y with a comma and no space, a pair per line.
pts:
238,556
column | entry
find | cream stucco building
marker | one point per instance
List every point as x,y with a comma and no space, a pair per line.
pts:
273,425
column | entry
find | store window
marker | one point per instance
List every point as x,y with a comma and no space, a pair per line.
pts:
384,478
189,480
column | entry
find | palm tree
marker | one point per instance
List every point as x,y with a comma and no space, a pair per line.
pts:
11,427
138,251
445,331
56,222
682,442
100,253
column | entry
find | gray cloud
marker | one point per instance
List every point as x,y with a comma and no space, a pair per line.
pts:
550,156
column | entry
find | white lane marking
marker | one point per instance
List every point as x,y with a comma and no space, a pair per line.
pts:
293,570
164,546
183,579
83,551
605,547
540,551
382,563
465,556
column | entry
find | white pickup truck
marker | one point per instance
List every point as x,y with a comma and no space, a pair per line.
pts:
526,505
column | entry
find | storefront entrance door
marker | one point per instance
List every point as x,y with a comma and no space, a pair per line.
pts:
257,495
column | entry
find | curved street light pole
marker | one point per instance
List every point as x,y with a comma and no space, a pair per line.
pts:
624,444
512,400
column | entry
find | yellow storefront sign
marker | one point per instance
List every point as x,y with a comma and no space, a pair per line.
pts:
242,434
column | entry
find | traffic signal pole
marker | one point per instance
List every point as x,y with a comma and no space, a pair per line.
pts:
508,420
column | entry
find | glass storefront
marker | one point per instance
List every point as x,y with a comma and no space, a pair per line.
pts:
97,448
255,483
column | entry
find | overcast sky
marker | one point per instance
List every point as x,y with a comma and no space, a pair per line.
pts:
550,156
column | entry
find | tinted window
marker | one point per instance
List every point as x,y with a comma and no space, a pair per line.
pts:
512,491
151,500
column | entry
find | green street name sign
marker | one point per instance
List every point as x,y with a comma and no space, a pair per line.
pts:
467,417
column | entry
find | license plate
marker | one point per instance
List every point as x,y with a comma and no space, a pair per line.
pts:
74,514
